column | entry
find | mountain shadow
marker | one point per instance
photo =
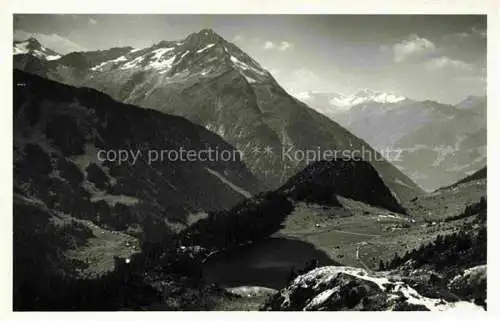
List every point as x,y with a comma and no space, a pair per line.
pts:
322,181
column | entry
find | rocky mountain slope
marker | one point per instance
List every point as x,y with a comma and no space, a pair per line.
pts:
215,84
479,175
32,47
322,182
78,208
440,143
448,148
66,144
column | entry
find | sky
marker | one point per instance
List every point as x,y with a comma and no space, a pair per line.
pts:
436,57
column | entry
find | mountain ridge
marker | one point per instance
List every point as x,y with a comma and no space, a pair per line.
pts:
360,96
34,47
451,138
323,181
62,129
213,83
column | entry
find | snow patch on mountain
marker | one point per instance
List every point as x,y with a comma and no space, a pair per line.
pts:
158,60
205,48
244,66
100,66
251,74
249,79
158,53
184,54
133,63
52,57
162,64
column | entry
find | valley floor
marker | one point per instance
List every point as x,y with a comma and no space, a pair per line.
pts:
356,235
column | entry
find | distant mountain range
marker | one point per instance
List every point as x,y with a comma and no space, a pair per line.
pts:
345,102
213,83
440,143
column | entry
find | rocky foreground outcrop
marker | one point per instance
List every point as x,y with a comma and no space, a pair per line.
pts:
333,288
471,284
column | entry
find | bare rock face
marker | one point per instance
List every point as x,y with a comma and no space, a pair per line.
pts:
341,288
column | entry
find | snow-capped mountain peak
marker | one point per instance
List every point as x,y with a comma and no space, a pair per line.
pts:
344,102
364,92
33,47
366,96
203,53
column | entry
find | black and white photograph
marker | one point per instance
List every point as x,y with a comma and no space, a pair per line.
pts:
249,162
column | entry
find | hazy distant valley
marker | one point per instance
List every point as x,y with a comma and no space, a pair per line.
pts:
439,143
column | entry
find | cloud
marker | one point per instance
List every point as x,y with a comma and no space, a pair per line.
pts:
479,31
412,47
269,45
444,62
305,74
273,71
472,32
92,21
53,41
282,46
300,80
463,35
238,38
285,45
